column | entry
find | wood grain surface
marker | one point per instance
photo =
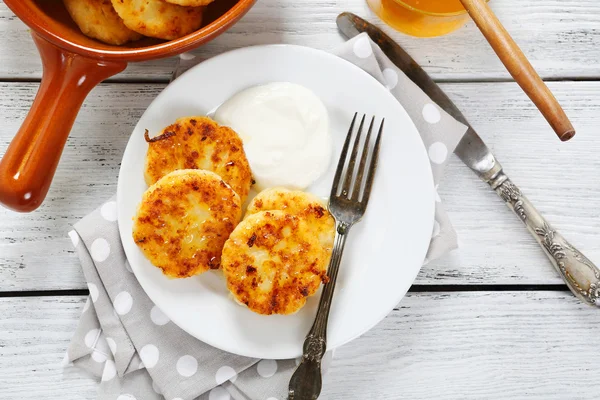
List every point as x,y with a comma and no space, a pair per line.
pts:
559,37
482,322
560,179
519,67
471,345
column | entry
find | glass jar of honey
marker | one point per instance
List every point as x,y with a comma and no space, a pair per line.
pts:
422,18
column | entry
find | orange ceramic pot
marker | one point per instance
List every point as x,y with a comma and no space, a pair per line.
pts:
72,65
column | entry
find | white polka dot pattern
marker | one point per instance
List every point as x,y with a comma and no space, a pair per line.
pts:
391,78
437,195
436,229
99,356
101,350
225,374
112,345
158,317
438,152
266,368
74,238
149,355
431,114
362,48
126,397
93,291
123,303
110,371
187,366
86,305
100,250
91,338
187,56
109,211
219,393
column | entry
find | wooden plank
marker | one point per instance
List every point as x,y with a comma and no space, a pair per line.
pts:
34,336
559,36
479,345
561,179
474,346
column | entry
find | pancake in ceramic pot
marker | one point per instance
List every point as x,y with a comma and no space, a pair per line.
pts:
190,3
99,20
159,19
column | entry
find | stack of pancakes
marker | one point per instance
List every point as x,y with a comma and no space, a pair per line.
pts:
189,220
120,21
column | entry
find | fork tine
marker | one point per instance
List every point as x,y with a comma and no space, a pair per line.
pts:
347,186
363,162
372,167
340,167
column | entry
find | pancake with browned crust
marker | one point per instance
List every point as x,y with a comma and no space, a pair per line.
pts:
199,143
191,3
184,220
99,20
159,19
272,262
300,204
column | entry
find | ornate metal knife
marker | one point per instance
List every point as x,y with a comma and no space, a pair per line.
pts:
580,274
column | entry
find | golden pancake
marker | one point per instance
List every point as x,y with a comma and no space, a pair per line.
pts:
199,143
272,262
300,204
99,20
159,19
190,3
183,221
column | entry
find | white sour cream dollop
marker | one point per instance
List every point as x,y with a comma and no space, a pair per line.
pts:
285,130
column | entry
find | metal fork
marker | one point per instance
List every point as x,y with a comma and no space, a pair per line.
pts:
347,203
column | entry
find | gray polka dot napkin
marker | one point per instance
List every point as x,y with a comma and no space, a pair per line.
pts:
138,354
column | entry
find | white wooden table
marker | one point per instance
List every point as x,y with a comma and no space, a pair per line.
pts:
490,321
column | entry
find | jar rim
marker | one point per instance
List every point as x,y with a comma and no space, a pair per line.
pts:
432,13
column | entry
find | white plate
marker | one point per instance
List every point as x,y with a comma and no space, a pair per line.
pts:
384,251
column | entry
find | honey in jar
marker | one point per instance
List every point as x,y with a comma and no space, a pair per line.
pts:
422,18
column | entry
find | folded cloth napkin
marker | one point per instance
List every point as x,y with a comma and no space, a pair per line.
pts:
138,354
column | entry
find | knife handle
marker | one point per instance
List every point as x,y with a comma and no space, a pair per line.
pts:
579,273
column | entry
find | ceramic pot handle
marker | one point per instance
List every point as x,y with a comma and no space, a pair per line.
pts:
27,167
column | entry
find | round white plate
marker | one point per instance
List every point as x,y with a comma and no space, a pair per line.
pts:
384,251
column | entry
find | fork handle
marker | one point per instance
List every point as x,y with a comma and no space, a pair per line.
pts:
306,382
579,273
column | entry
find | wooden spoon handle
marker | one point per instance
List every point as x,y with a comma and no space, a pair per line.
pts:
519,67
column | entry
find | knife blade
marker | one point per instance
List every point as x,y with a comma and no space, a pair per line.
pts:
471,149
579,273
